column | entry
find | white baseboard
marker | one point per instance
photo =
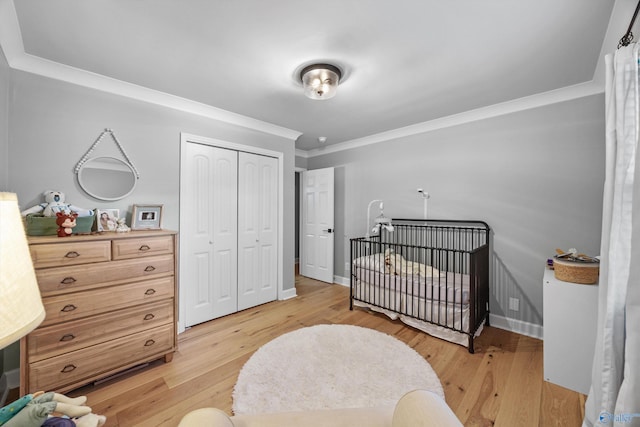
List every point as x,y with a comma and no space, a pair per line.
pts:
344,281
288,294
517,326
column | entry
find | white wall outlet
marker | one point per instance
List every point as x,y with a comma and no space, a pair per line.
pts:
514,304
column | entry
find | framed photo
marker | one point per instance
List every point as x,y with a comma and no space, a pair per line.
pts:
107,219
146,217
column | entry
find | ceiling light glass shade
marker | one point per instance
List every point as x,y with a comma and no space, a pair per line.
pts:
22,309
320,81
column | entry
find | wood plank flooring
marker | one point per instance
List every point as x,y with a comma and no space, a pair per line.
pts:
501,384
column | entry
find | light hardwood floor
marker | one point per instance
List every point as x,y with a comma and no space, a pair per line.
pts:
501,384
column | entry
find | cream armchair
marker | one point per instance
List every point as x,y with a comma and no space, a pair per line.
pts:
418,408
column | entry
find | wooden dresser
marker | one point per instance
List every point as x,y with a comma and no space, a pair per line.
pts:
110,302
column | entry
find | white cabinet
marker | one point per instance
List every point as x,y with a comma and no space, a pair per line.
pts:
570,316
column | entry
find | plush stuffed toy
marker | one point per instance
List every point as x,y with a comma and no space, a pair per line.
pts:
54,203
34,410
396,264
65,222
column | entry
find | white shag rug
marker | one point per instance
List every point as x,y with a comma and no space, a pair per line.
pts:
328,367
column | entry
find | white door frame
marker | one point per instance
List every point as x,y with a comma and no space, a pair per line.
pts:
186,138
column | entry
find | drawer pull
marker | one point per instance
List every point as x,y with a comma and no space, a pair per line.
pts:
67,337
150,291
149,343
149,316
69,307
68,280
150,268
144,248
68,368
72,254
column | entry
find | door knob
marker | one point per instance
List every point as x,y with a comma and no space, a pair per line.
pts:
329,230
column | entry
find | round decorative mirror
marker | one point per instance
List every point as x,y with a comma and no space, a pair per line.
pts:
107,178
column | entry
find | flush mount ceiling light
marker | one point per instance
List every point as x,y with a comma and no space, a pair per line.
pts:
320,81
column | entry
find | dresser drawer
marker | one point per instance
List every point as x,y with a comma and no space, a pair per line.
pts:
59,280
100,360
63,308
54,340
141,247
73,253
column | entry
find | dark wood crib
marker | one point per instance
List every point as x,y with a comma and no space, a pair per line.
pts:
431,274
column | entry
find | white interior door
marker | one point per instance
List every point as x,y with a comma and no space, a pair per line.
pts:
209,274
316,251
257,229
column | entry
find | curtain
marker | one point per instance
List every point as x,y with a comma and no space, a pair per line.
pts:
614,397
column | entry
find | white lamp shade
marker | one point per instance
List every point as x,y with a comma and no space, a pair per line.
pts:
21,309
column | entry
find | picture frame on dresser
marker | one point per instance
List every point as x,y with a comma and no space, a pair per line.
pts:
107,219
147,217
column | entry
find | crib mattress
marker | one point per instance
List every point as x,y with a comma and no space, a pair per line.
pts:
452,288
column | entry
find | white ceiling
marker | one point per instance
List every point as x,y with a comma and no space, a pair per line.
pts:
405,61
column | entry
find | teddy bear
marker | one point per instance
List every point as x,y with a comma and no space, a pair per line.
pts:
54,203
122,226
35,410
65,223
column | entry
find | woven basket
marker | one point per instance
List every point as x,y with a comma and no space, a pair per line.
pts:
585,273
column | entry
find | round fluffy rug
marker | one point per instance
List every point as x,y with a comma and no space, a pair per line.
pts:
328,367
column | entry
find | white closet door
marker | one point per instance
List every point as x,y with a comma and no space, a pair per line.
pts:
210,245
257,229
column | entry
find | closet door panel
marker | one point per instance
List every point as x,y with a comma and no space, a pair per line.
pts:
211,247
225,230
268,274
257,229
248,229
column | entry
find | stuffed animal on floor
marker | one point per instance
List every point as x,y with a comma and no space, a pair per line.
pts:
89,420
34,410
398,265
54,203
65,223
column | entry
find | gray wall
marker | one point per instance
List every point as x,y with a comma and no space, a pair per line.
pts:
53,124
301,162
535,176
